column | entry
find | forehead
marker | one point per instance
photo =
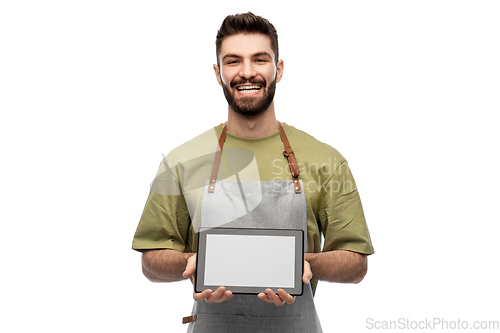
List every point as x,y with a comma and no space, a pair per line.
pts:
246,45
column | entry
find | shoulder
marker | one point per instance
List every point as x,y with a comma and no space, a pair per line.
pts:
310,148
204,143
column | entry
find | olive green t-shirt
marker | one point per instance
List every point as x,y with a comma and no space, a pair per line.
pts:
335,216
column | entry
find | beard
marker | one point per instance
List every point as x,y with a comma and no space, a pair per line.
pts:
250,106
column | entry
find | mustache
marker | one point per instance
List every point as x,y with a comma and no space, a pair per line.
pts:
251,81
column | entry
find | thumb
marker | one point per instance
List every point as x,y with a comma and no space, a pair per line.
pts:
190,267
307,273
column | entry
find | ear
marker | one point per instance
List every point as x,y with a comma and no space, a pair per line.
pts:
217,74
279,70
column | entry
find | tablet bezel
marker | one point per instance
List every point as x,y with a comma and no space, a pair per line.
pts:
298,235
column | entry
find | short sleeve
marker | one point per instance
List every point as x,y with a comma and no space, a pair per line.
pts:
343,220
165,221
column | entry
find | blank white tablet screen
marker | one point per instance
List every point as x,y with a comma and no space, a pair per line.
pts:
250,261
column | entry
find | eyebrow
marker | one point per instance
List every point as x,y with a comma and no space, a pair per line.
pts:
258,54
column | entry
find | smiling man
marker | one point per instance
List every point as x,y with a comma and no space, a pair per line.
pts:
245,174
249,79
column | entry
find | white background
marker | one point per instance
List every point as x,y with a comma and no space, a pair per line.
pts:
92,93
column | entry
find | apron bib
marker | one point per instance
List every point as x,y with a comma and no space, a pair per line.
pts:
273,204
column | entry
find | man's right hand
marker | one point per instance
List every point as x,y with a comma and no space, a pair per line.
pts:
218,296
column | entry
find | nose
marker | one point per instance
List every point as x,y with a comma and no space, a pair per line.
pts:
247,70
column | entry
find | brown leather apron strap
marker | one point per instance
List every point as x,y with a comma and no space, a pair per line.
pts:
218,155
189,319
288,153
290,156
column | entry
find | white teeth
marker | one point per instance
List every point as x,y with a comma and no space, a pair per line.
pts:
246,88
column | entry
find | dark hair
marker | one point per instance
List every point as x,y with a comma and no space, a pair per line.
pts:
246,23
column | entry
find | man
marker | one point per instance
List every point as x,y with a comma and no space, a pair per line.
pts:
253,171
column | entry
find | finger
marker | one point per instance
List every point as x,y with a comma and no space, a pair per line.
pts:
307,273
203,295
215,295
264,297
286,297
188,272
274,297
190,267
227,295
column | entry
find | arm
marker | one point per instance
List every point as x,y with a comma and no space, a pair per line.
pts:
165,265
171,265
333,266
338,266
344,227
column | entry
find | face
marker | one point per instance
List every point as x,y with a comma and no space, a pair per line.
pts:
248,73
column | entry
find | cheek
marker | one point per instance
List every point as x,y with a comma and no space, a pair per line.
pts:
270,74
226,80
222,78
226,77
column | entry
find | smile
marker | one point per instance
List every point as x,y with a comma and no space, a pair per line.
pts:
249,89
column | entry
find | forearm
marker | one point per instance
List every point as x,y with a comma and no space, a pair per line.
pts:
338,266
164,265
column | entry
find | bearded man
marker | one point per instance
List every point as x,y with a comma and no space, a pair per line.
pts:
245,174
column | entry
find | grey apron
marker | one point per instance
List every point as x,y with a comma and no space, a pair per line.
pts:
274,204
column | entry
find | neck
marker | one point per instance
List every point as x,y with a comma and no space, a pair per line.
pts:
252,127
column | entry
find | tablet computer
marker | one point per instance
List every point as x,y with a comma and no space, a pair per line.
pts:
248,261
